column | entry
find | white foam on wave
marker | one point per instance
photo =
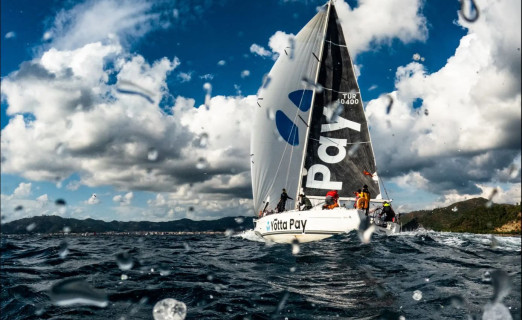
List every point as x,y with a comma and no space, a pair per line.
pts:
249,235
453,239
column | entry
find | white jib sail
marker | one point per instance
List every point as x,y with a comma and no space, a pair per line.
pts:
279,129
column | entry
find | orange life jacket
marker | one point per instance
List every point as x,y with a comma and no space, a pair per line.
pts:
332,206
361,203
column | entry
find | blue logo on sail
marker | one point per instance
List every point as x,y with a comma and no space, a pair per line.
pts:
302,99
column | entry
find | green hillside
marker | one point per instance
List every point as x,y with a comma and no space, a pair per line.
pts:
474,216
55,224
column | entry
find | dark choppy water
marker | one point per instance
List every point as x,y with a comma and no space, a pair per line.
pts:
408,276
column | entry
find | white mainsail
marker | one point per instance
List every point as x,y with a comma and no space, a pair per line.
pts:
296,143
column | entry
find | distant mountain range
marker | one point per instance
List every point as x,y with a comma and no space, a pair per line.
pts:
475,216
56,224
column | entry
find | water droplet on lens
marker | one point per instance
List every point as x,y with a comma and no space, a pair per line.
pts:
270,114
332,111
494,242
39,311
426,112
266,81
124,277
124,261
354,149
77,291
239,220
31,227
229,232
469,10
18,208
292,269
66,230
295,247
390,103
454,209
496,310
203,140
513,171
208,88
169,309
152,155
63,251
311,84
60,202
201,164
457,301
417,295
490,198
164,270
501,285
365,231
486,277
282,303
59,149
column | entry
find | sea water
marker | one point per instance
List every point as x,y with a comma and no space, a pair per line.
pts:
415,275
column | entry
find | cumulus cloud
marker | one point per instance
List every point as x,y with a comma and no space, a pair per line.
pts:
278,43
23,190
496,194
87,126
260,51
207,77
281,41
20,204
43,200
94,109
185,76
467,129
378,23
73,185
124,200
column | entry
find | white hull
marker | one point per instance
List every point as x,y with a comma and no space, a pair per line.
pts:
385,227
305,226
390,228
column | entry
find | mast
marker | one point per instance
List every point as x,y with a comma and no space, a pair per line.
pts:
313,100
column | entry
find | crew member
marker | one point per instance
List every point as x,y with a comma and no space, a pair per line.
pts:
388,211
331,200
357,203
304,203
282,201
366,195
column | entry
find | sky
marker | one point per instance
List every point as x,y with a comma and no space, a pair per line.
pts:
141,110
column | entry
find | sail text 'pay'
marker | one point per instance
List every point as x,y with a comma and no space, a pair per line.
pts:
324,144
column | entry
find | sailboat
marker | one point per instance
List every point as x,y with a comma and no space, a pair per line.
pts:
310,135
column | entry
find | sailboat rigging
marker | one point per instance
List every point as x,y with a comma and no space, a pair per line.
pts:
310,135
